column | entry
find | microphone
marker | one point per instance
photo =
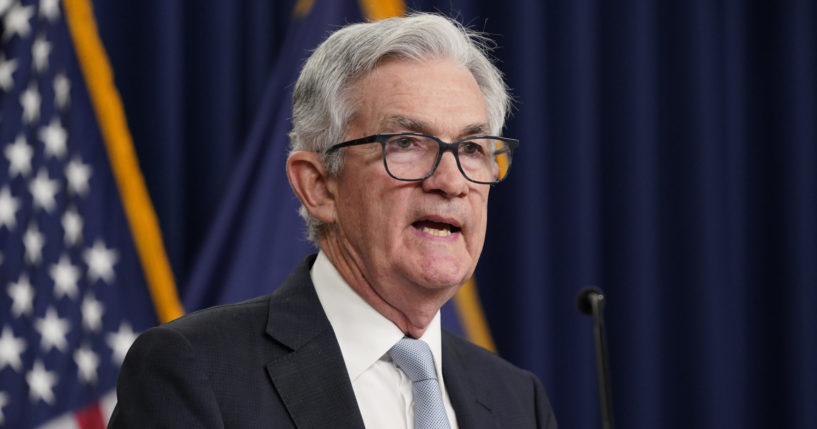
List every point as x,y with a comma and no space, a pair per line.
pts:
591,301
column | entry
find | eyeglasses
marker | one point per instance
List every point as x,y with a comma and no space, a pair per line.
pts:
413,156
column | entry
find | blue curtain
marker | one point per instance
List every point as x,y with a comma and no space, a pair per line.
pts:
669,156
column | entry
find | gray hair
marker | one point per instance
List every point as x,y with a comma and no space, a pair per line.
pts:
322,103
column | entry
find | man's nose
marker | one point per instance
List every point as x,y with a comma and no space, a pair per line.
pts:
447,178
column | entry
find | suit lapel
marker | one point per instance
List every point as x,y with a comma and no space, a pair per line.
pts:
312,371
468,396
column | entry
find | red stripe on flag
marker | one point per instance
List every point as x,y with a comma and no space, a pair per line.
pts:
90,417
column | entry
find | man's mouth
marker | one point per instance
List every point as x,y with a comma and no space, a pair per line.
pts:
437,229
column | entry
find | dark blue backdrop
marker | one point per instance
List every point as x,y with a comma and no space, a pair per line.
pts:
669,156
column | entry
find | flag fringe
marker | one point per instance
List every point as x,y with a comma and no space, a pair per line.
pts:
107,104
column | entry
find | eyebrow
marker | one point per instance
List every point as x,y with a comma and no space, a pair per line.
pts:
423,127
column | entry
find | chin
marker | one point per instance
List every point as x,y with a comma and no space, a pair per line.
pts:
441,275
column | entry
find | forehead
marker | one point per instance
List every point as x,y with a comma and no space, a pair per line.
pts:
433,96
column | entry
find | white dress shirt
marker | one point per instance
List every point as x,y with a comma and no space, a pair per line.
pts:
365,336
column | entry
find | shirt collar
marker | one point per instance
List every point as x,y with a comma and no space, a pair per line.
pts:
364,335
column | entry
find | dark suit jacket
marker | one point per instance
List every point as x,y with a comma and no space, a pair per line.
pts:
274,362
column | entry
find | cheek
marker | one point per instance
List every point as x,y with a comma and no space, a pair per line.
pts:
390,207
371,210
352,209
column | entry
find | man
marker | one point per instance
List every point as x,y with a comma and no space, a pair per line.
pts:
400,216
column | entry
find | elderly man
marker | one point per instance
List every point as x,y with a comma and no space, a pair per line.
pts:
392,159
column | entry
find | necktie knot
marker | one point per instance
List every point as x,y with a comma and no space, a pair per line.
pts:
414,358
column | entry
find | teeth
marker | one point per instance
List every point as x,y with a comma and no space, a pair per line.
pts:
437,232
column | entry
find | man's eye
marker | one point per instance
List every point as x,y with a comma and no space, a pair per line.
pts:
403,142
471,148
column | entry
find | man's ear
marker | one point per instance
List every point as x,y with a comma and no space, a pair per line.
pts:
312,184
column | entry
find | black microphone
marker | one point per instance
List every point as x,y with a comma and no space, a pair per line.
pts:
591,301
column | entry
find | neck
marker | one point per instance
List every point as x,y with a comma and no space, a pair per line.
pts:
409,311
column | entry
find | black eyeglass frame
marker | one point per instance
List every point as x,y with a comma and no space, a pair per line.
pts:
443,147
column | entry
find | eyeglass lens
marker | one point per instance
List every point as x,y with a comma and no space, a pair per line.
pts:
411,157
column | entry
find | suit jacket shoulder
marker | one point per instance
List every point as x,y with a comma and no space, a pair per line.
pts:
488,391
270,360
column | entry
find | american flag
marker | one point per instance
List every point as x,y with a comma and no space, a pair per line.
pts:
72,289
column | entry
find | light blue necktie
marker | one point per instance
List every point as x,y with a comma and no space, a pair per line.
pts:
414,358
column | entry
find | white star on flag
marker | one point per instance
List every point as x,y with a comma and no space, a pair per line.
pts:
92,313
22,296
78,175
40,50
7,68
72,225
16,21
120,342
53,330
62,90
100,261
19,155
33,241
30,100
11,348
65,276
54,137
50,9
43,190
87,362
41,383
8,209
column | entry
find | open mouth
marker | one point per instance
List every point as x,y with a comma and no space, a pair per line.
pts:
437,229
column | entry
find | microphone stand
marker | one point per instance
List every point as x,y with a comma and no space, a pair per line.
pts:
591,301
